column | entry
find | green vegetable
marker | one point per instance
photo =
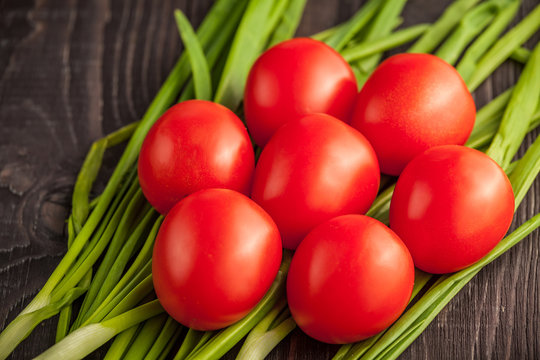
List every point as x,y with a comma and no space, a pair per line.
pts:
468,63
469,27
146,337
381,26
92,225
245,48
95,223
199,65
263,337
228,337
168,332
442,27
191,340
504,48
347,31
83,341
289,22
518,114
521,55
217,48
382,44
121,343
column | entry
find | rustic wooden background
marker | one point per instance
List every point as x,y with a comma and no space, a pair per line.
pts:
71,71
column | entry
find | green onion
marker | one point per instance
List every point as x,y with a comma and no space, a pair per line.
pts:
190,341
206,336
345,33
442,27
165,353
398,38
521,55
469,61
64,319
210,27
355,351
146,337
131,208
216,49
289,22
199,65
246,46
121,343
519,112
528,164
381,205
132,298
381,26
22,326
262,338
228,337
167,333
139,270
504,48
274,18
83,341
83,185
121,231
416,319
469,27
325,34
117,268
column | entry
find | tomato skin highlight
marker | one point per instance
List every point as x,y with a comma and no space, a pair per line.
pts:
349,279
294,78
451,206
312,170
195,145
216,254
410,103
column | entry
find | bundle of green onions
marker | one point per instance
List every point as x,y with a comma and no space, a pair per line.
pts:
119,227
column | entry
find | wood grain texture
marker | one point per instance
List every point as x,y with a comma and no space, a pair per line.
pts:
71,71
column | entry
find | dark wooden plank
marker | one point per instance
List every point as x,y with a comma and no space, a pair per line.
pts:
71,71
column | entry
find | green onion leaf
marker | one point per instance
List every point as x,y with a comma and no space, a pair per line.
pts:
503,48
519,112
442,27
199,65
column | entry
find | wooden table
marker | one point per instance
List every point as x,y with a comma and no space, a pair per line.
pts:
72,71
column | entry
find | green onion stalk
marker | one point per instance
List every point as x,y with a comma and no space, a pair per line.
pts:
119,227
520,106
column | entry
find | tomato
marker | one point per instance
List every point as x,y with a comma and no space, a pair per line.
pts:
311,170
295,78
216,254
411,103
194,145
349,279
451,206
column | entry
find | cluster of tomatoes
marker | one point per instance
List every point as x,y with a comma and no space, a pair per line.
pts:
324,146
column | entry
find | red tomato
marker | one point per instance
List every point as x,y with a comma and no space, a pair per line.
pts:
195,145
312,170
451,206
349,279
410,103
215,256
295,78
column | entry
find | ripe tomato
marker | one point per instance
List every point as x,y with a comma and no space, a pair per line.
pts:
410,103
451,206
194,145
349,279
295,78
216,254
314,169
